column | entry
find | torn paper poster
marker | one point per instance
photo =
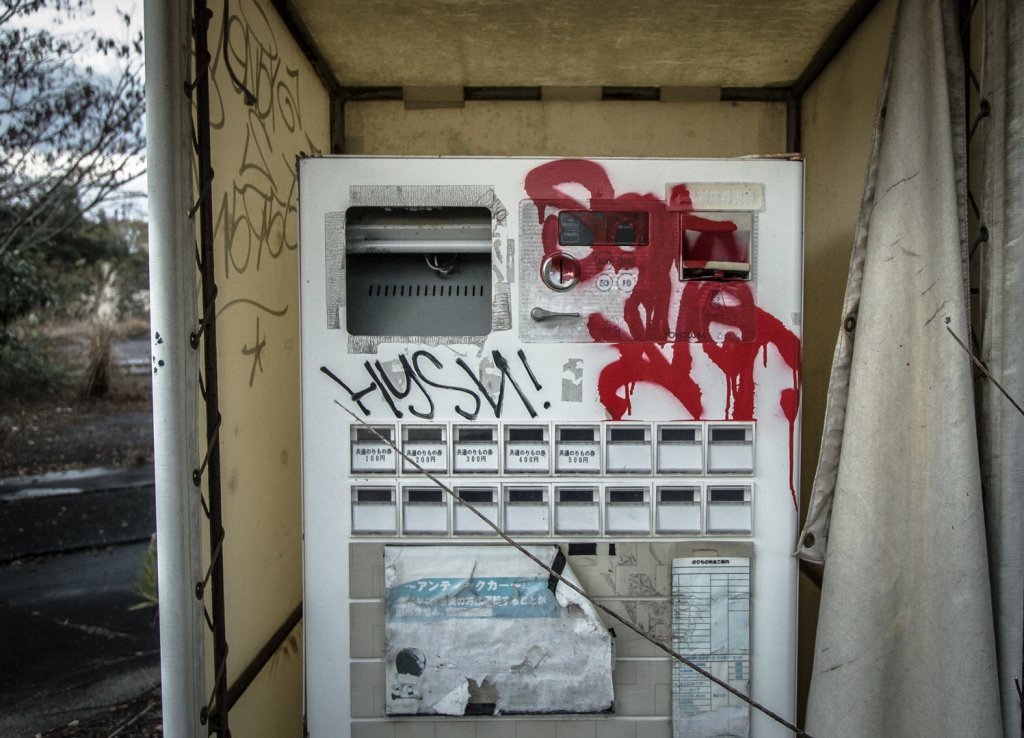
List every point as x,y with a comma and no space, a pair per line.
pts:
479,629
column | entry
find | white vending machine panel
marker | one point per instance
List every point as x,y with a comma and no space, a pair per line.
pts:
602,357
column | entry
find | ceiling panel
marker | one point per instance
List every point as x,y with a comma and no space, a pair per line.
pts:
722,43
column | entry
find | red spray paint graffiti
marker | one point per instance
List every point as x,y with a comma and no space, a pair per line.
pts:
646,312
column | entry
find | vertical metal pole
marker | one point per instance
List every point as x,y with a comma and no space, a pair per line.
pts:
219,714
172,281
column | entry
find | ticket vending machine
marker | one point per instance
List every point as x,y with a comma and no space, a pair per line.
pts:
602,358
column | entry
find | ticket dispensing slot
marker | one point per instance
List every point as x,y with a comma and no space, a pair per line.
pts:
729,510
476,449
678,510
576,510
427,446
485,500
716,245
526,510
370,455
578,449
526,449
627,510
731,449
680,449
424,511
374,510
418,271
628,449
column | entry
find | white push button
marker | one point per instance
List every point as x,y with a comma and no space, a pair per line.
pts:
577,450
424,511
374,510
680,449
485,500
627,510
526,510
369,453
576,510
678,510
729,510
427,446
476,449
628,449
526,450
731,449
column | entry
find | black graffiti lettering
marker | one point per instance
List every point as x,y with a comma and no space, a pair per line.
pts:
356,396
437,365
410,379
387,397
496,406
502,364
529,371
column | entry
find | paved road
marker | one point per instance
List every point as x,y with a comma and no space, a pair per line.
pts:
69,643
66,511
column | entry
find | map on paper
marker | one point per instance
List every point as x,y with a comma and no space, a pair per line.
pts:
711,626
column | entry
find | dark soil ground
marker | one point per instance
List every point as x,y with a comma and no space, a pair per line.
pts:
139,718
62,431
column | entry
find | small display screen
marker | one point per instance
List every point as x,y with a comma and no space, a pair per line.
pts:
610,228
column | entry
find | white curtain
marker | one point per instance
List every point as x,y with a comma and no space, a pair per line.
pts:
1002,295
905,643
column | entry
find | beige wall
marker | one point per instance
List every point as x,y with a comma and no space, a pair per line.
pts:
567,129
838,114
255,245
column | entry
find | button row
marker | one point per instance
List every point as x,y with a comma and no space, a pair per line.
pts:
535,510
614,448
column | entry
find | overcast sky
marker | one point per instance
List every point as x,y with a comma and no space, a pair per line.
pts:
102,17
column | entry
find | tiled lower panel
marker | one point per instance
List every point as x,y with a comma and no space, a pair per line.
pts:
605,727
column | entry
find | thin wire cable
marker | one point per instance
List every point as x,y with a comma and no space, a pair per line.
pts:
674,654
985,371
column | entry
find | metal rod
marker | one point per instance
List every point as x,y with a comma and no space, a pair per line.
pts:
985,371
250,672
173,315
202,15
579,590
197,474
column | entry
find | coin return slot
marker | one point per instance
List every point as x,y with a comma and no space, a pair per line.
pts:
427,446
526,510
371,455
678,510
526,450
729,510
628,510
628,450
476,450
577,510
680,450
424,511
731,449
578,450
484,499
374,510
